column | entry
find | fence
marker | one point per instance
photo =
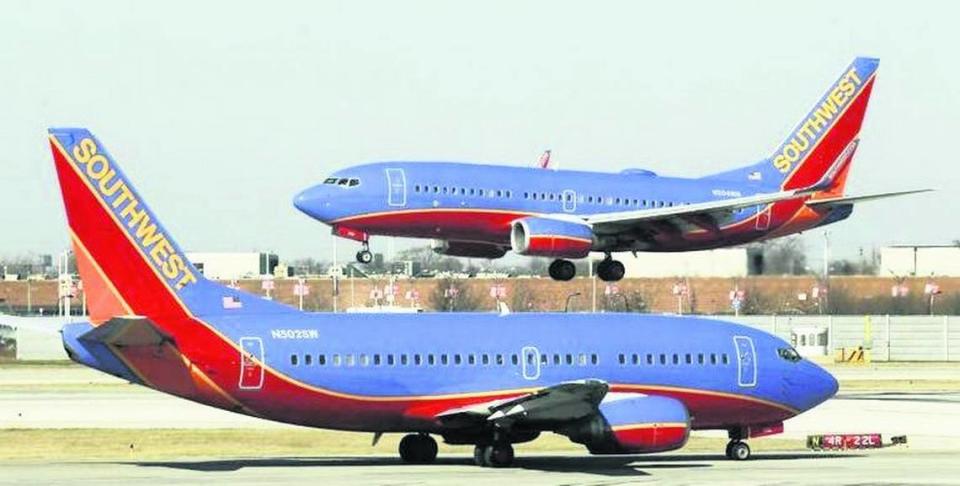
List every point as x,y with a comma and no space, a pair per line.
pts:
890,338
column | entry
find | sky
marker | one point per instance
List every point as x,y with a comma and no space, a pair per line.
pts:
220,112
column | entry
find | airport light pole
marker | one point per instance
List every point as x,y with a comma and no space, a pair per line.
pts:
566,306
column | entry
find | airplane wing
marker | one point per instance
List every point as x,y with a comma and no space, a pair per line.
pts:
836,201
707,215
555,404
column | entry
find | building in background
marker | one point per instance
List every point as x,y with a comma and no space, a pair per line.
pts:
920,260
724,262
234,266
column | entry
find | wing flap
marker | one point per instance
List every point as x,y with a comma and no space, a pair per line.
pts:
837,201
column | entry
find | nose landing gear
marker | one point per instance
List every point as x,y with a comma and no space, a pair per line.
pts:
737,450
364,256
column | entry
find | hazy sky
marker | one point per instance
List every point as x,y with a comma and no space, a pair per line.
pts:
220,113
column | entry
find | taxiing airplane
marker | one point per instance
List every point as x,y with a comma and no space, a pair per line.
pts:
477,210
617,383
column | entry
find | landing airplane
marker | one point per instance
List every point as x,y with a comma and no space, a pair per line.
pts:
627,384
477,210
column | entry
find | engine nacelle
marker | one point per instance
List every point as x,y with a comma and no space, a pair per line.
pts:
550,237
468,249
633,423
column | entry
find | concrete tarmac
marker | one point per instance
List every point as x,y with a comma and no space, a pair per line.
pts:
878,467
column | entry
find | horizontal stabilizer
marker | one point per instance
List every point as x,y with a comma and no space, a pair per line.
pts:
128,331
837,201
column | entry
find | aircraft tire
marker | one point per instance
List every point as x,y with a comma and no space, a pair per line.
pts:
739,451
498,455
364,256
610,270
418,449
562,270
478,453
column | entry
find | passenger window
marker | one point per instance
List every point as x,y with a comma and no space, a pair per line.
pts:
364,360
389,360
689,358
336,360
676,359
544,359
430,359
376,360
713,358
443,359
649,359
485,359
499,359
635,358
293,359
471,359
348,359
416,188
594,359
514,359
663,359
308,359
569,359
726,360
556,359
417,360
700,358
622,359
321,359
582,359
531,359
457,359
403,359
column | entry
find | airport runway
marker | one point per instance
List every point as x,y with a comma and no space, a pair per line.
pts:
51,398
885,467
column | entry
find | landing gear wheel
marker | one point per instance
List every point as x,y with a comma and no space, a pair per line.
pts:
498,455
738,451
478,452
562,270
418,449
610,270
364,256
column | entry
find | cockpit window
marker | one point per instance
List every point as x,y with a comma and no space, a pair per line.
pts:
342,181
789,354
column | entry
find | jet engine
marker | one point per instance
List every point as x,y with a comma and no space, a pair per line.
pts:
633,423
551,237
468,249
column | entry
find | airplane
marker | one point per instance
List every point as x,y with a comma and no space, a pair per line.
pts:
617,383
482,210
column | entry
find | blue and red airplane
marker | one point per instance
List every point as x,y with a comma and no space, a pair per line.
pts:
627,384
478,210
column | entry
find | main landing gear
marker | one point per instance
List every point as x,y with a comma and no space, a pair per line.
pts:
610,270
493,455
418,449
364,256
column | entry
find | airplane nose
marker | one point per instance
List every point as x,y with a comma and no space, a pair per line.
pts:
312,202
810,385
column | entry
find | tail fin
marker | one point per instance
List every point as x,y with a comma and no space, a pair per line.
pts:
818,152
129,263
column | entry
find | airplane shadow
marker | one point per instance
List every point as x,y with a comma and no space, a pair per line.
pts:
600,465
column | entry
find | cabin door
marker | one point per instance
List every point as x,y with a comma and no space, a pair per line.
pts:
569,200
396,188
251,363
746,361
530,364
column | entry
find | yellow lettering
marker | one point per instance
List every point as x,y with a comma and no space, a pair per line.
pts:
84,150
125,195
807,130
170,268
97,166
856,78
161,250
187,278
827,109
835,96
109,191
817,121
847,87
792,157
129,208
147,232
781,163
